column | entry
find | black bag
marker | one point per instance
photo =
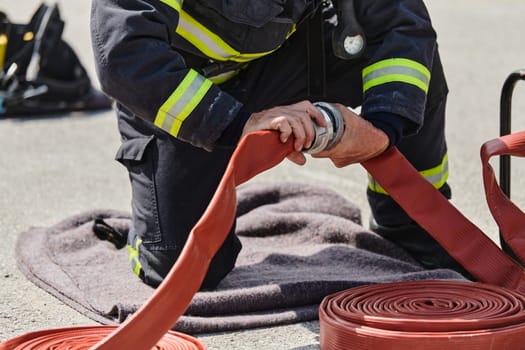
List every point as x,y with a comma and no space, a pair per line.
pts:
39,72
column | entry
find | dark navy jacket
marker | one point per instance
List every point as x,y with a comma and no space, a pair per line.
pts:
148,54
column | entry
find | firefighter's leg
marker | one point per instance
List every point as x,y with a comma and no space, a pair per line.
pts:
172,183
428,153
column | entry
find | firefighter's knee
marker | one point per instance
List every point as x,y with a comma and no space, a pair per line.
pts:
152,265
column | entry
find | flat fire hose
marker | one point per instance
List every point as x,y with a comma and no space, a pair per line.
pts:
424,315
435,315
150,326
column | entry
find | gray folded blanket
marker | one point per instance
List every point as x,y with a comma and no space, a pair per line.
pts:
300,243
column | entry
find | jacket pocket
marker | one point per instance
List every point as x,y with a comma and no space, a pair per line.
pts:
255,26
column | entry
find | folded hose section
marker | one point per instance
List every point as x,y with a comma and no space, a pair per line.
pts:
430,314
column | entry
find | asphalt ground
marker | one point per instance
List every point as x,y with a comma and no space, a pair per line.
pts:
58,166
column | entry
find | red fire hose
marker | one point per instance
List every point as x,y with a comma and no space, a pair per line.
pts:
429,315
260,151
255,154
77,338
437,315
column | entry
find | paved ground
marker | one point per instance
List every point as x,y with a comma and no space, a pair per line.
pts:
55,167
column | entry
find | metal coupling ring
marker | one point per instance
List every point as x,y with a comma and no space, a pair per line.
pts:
327,137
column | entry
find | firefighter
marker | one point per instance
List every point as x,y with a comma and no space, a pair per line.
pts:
190,78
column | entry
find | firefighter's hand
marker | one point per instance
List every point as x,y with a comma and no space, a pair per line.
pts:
293,120
360,141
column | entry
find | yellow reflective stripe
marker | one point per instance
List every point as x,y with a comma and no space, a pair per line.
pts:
210,43
134,257
3,49
292,30
176,4
207,42
223,77
437,176
182,102
374,186
396,70
174,97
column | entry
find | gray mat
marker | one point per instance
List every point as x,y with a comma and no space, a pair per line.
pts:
300,243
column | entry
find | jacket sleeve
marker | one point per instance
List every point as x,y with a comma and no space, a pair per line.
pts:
139,68
401,46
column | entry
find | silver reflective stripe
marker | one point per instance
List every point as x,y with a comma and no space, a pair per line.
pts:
437,176
397,70
438,179
209,43
223,77
401,70
188,94
202,38
182,102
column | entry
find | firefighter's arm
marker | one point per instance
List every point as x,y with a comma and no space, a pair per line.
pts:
401,45
360,141
139,67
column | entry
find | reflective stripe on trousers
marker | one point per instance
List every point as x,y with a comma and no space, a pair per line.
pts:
437,176
133,251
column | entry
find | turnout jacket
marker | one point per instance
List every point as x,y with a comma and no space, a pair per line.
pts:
147,54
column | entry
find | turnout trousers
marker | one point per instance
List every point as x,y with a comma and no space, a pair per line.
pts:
172,181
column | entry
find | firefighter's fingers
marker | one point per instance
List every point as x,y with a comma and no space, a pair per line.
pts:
309,115
302,129
299,133
297,157
282,125
293,125
309,130
297,120
315,114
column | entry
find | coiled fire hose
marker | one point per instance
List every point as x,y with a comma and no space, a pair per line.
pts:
435,315
431,316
